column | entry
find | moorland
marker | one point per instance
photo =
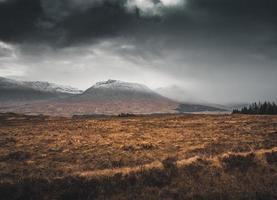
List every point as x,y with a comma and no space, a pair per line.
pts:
175,156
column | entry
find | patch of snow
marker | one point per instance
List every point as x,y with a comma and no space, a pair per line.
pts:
121,85
9,83
51,87
37,85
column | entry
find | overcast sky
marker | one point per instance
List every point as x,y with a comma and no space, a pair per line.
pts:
219,51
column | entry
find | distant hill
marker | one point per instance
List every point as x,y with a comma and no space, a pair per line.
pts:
191,108
22,91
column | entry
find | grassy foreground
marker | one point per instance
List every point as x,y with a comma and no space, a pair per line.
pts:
144,157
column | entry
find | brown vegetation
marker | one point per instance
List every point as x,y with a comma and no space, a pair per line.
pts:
143,157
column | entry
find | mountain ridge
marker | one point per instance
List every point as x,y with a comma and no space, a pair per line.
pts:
13,90
110,97
119,85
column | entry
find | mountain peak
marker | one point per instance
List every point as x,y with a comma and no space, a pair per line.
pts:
112,84
109,81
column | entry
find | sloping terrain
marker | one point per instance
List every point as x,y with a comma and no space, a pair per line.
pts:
109,97
143,157
22,91
115,97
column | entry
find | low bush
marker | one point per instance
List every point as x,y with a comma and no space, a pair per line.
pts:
16,156
240,162
271,157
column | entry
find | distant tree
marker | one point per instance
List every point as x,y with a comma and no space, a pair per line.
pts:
266,108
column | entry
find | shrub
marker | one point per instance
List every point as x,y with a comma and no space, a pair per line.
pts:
240,162
271,158
197,166
127,147
146,146
169,163
16,156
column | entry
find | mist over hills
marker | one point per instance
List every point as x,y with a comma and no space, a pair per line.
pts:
109,97
179,94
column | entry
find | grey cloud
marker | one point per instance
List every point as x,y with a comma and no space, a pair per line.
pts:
60,9
6,51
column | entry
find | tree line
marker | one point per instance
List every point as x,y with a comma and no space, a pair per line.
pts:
266,108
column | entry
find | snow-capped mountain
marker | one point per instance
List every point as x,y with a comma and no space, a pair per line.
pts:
118,91
6,83
119,85
12,90
52,87
114,97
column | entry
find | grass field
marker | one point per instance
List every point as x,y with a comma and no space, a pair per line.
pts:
141,157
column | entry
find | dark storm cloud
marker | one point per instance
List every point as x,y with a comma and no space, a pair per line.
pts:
18,18
100,21
70,21
62,21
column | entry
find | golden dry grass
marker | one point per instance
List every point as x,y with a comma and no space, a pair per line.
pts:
143,157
